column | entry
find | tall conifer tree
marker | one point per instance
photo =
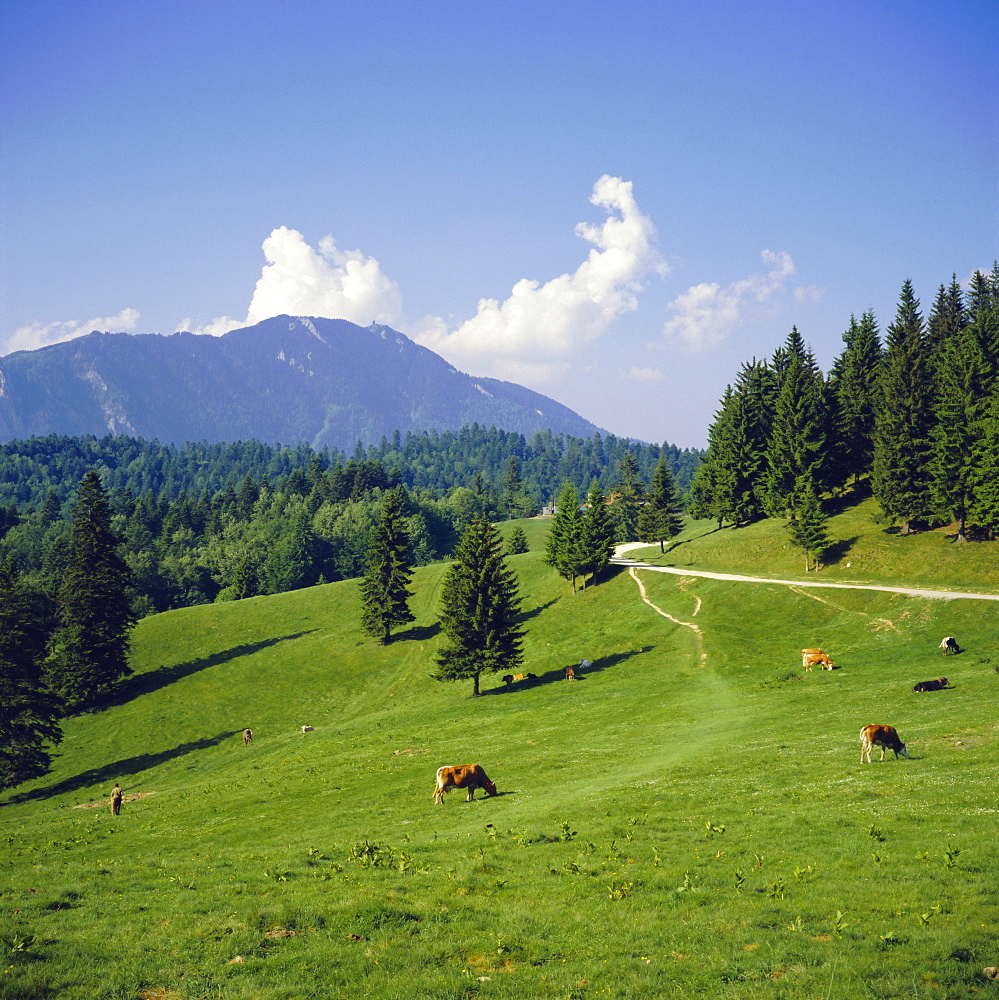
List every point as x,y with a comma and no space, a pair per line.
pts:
629,495
808,524
597,533
90,647
660,520
799,434
948,317
478,610
901,466
564,548
853,384
28,712
384,593
962,377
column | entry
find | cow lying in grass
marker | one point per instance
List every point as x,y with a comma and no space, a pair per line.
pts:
880,736
931,685
470,776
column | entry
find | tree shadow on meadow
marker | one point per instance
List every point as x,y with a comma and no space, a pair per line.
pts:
526,616
418,632
838,550
160,677
121,768
558,674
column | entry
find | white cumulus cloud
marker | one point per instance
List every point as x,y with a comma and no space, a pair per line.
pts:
706,313
35,334
538,321
298,280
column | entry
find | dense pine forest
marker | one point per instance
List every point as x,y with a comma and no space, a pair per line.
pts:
912,418
204,522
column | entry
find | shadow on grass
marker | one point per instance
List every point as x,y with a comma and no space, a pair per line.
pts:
838,549
121,768
526,616
153,680
418,632
551,676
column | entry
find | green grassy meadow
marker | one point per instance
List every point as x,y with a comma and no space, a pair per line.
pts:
689,819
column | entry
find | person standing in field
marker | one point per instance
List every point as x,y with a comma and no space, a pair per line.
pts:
115,799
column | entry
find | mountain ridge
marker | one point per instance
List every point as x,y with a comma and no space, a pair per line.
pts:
284,380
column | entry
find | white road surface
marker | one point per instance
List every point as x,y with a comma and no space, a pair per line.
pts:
941,595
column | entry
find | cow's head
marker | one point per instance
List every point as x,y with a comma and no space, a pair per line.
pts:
901,750
489,787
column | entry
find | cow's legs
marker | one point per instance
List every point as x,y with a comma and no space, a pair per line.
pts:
471,793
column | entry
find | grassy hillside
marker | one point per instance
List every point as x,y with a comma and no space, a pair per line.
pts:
689,819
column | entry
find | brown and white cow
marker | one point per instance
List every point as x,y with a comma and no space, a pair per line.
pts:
931,685
809,660
570,673
880,736
470,776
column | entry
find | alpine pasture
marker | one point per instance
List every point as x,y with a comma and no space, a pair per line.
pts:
689,818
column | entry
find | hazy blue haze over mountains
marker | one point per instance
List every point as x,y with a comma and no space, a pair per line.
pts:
286,380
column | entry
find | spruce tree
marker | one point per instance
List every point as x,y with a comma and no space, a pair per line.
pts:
659,519
901,463
516,500
808,523
628,494
948,317
28,711
986,509
713,487
564,547
516,542
854,385
244,583
960,409
478,610
597,533
384,593
747,437
90,647
798,438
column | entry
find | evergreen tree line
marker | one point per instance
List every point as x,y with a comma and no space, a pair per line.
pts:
582,537
47,469
914,418
311,523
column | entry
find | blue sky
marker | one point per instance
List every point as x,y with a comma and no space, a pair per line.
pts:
614,203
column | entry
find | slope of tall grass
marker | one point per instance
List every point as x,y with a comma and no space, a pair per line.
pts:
689,819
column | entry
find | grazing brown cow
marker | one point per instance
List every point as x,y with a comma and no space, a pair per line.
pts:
809,660
880,736
470,776
931,685
570,673
247,737
811,651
